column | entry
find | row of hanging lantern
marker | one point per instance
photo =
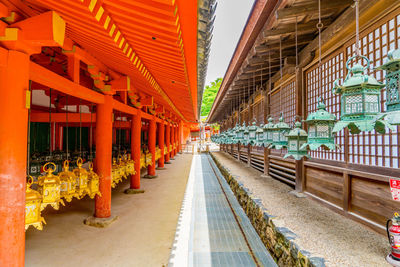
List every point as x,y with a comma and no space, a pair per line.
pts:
52,189
122,167
360,110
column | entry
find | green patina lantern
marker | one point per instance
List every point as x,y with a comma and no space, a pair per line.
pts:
230,137
233,133
253,133
240,133
320,124
360,101
279,138
260,135
246,140
268,132
297,138
392,68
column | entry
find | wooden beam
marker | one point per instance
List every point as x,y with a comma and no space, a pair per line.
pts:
327,6
302,28
50,79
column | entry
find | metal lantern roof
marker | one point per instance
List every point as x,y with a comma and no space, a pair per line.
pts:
297,137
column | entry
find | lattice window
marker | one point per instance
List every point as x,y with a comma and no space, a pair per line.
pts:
364,148
283,101
331,69
373,148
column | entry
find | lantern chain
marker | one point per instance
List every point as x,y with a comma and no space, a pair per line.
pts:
320,25
357,46
91,133
29,132
66,120
80,128
50,148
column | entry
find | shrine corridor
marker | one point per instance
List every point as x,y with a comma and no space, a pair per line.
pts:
213,230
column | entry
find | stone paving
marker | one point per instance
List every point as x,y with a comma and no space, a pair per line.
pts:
220,234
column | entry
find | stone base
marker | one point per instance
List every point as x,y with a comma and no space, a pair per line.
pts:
297,194
131,191
172,159
264,176
100,222
392,261
168,162
147,176
180,152
161,168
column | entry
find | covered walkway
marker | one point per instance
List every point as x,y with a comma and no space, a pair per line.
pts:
213,229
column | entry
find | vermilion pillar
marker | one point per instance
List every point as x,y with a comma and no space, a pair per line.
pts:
176,140
167,142
59,137
14,84
135,148
180,133
151,169
172,141
103,156
161,133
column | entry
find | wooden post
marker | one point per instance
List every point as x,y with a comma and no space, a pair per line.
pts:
104,125
14,84
266,114
151,169
168,139
299,167
161,133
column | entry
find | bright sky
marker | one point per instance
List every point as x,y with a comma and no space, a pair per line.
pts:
228,26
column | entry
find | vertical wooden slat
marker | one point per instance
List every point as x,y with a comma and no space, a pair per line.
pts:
346,191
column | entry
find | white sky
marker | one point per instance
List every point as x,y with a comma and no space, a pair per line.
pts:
231,16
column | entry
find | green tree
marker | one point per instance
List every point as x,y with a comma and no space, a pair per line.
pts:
209,95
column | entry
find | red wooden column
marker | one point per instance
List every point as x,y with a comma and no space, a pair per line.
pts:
151,169
172,141
59,136
14,84
180,134
167,143
136,133
161,133
176,139
104,124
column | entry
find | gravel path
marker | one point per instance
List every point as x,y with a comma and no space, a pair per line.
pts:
321,231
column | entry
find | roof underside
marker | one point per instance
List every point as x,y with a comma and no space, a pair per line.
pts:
154,42
259,58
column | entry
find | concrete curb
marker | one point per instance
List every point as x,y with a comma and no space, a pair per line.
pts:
279,240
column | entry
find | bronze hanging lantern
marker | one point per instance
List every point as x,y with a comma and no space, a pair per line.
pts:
392,68
279,138
252,133
245,135
93,182
268,132
297,138
260,135
81,179
320,124
33,201
49,187
68,182
360,101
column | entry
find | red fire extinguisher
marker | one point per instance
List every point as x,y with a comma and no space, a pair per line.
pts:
394,239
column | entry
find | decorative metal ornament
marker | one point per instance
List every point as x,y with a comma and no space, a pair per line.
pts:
392,68
268,132
49,187
279,139
297,138
33,201
130,164
115,173
360,101
320,124
81,179
252,133
93,182
68,182
260,135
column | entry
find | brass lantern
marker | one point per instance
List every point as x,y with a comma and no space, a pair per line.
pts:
268,132
297,137
392,68
279,138
81,179
49,187
115,173
93,184
360,101
240,133
33,201
253,133
260,135
130,165
122,167
234,134
320,125
68,182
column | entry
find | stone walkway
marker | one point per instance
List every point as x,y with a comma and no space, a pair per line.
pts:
213,229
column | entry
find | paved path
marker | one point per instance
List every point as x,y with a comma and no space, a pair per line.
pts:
213,230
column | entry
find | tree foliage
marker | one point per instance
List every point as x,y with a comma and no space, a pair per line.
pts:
209,95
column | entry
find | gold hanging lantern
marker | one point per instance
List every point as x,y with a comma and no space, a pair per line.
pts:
158,153
149,158
130,165
81,179
122,167
33,201
68,182
49,187
93,184
115,174
143,160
